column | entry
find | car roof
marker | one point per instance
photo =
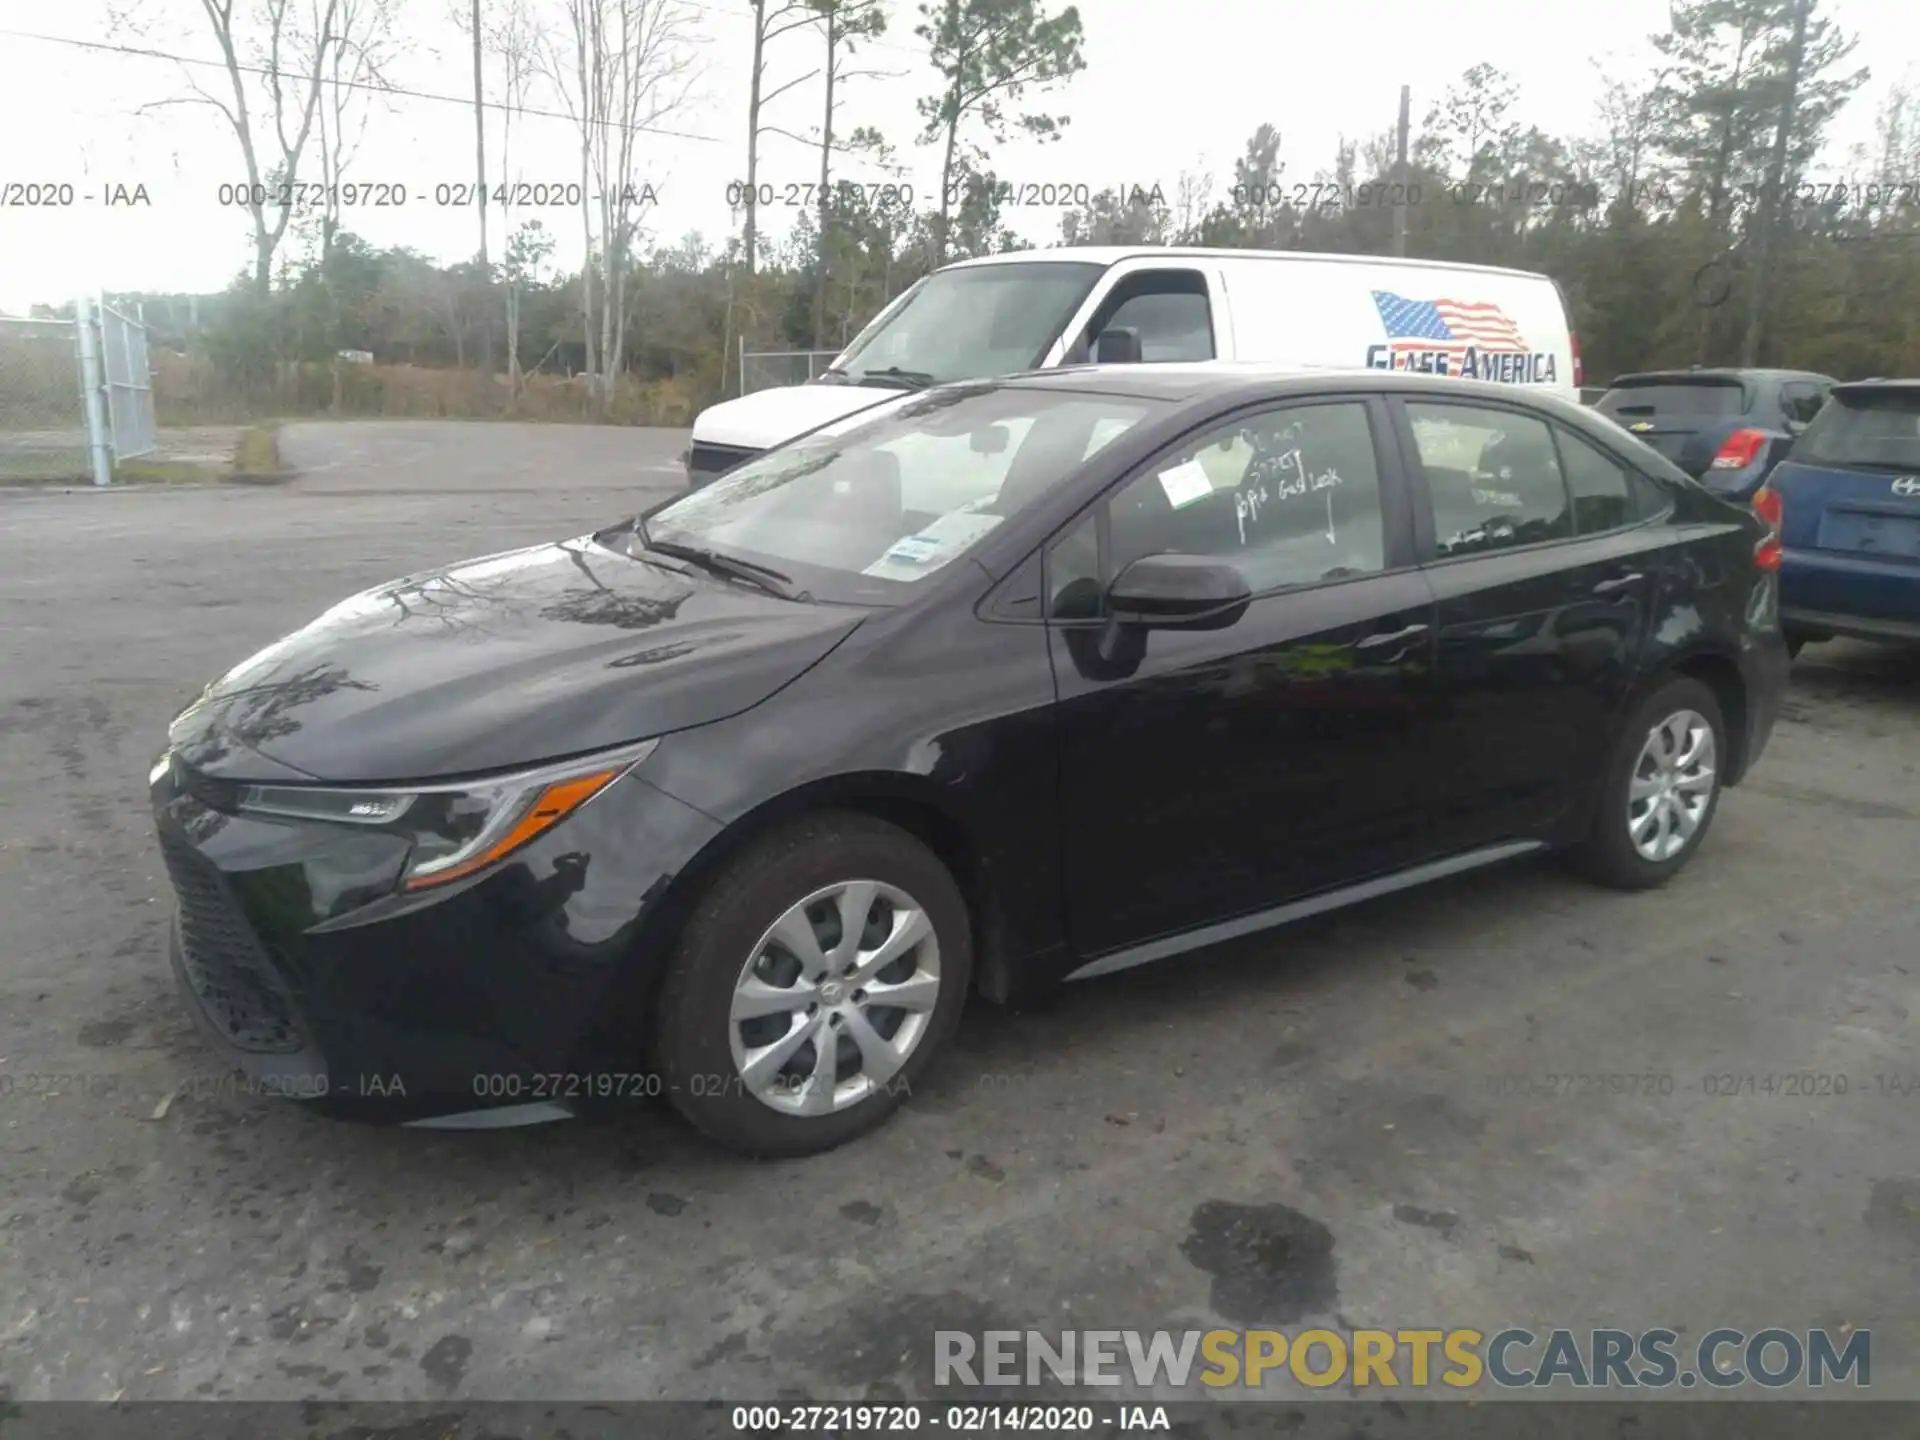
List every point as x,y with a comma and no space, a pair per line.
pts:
1104,255
1229,381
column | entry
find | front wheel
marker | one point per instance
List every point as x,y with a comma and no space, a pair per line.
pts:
813,984
1659,790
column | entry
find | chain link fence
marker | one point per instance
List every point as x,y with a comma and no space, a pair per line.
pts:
770,369
75,395
128,382
43,412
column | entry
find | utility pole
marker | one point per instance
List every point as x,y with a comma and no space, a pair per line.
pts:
1770,195
480,175
1400,172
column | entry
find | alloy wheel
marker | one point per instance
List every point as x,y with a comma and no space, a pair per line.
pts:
835,997
1671,787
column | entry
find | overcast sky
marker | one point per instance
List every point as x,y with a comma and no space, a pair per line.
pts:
1168,87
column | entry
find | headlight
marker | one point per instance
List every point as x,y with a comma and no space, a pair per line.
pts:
459,828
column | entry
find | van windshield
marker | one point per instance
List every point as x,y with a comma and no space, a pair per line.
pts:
969,324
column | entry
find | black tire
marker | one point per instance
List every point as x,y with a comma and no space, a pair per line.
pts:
693,1026
1608,855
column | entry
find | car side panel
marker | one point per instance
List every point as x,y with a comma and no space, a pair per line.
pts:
935,709
1713,605
1537,655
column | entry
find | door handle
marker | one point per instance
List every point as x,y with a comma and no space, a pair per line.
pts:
1397,637
1618,583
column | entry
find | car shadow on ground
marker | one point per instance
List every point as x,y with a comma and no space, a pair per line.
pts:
1853,672
1072,1045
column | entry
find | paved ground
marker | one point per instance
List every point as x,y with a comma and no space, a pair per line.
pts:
1329,1123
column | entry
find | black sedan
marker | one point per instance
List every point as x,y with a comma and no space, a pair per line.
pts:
1008,683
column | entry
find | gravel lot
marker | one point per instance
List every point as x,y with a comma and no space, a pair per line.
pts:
1331,1122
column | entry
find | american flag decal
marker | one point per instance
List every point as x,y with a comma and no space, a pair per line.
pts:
1452,326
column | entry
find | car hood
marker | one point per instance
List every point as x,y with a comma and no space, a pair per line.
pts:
502,661
770,417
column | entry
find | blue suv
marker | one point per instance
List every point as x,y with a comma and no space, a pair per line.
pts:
1846,501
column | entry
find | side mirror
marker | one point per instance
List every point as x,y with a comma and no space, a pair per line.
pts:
1117,347
1179,592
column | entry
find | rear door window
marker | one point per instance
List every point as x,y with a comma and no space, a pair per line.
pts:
1603,497
1493,478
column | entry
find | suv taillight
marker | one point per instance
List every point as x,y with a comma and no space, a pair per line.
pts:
1579,370
1767,505
1741,449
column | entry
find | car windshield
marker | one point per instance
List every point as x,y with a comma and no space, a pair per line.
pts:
1657,400
969,323
867,509
1874,432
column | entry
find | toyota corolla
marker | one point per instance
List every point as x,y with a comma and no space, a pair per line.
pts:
1009,683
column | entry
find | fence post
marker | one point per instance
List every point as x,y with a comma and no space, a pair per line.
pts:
92,391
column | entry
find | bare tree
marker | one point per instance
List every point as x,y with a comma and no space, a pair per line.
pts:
771,20
527,250
1193,198
480,174
513,33
845,24
356,66
1629,111
284,49
626,66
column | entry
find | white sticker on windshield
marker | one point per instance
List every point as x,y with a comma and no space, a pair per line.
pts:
927,550
1186,483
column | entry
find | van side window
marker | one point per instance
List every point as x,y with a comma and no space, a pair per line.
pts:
1167,309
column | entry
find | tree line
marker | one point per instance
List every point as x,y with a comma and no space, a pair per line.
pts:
1700,220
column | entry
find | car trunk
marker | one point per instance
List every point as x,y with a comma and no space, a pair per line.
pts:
1852,482
1686,418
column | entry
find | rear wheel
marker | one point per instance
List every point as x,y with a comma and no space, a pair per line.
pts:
815,981
1659,790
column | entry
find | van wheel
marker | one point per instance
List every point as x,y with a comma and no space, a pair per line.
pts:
1659,790
816,980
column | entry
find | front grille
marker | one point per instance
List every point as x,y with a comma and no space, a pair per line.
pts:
224,960
708,462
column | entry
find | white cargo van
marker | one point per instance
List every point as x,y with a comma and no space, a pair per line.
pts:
1036,309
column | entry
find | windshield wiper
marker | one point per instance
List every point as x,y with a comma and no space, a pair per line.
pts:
773,581
894,376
